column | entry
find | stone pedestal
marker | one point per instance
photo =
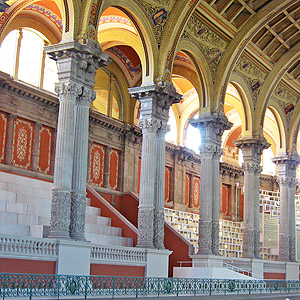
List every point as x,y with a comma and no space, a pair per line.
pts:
211,127
287,165
155,103
252,151
73,258
77,67
157,263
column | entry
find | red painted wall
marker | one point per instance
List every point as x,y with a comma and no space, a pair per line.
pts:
45,149
9,265
112,270
96,164
115,220
279,276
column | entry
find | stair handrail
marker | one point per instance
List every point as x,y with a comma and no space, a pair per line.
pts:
242,271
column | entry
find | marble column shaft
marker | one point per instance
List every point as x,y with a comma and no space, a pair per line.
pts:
287,165
78,203
77,67
156,100
211,127
252,151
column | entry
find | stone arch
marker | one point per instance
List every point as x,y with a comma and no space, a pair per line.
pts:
89,29
239,43
66,8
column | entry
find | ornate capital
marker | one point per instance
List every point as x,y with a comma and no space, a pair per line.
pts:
151,125
287,164
211,127
68,89
252,149
78,61
210,150
156,99
252,167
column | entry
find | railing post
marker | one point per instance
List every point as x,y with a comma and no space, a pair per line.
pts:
86,286
249,288
30,289
137,288
4,287
58,285
177,279
210,287
113,288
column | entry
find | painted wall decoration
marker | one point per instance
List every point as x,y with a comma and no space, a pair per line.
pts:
241,204
45,149
187,188
114,162
3,134
196,192
97,156
167,183
22,143
53,17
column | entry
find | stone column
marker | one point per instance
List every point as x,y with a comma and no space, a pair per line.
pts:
106,166
9,140
155,103
77,67
35,147
211,127
252,151
287,165
78,202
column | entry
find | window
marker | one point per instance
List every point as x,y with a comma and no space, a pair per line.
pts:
108,97
24,58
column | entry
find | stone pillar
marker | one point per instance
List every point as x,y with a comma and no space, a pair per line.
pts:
9,140
211,127
77,67
252,151
155,103
287,165
35,147
106,166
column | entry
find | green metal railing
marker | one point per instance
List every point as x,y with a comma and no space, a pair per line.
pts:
58,286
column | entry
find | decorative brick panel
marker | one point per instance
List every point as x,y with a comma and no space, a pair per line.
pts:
196,192
97,156
114,161
226,199
45,150
167,183
22,143
3,134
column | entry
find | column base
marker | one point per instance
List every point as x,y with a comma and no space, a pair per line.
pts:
59,235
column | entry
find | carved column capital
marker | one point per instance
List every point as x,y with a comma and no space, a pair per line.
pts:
156,99
150,125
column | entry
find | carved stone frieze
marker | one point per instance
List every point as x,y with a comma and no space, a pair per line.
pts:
257,244
292,248
210,150
60,214
205,233
158,224
145,228
77,222
283,247
248,243
215,244
252,167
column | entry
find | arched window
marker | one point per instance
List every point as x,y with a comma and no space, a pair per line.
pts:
192,136
171,136
108,96
23,57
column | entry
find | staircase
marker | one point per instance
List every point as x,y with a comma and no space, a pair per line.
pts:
25,209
